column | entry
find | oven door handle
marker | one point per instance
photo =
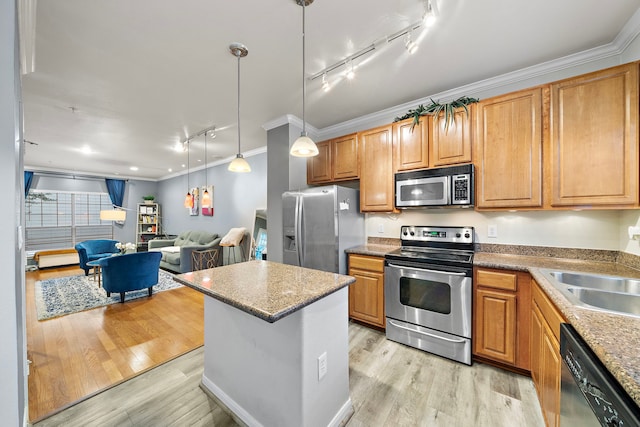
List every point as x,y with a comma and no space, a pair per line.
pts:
428,271
425,333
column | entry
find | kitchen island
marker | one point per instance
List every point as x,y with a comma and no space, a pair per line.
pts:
276,343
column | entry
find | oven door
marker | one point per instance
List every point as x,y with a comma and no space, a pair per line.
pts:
420,294
432,191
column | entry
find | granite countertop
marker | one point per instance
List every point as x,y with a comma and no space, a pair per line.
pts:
372,249
267,290
614,338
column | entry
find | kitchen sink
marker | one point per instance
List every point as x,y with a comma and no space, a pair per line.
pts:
602,283
598,292
613,301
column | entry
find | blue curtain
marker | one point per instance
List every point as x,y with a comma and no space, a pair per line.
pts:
28,179
115,187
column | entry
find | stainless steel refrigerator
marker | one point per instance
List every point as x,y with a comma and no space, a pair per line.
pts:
319,224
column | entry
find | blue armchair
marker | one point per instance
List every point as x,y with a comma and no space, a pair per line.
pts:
130,272
91,250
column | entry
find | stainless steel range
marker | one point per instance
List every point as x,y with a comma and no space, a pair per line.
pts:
427,290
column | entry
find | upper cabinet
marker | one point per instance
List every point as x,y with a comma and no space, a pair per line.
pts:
337,160
376,169
451,145
508,150
593,147
410,145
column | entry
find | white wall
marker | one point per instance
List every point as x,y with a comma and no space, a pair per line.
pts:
236,196
12,318
568,229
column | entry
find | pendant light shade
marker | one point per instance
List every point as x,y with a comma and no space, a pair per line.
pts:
188,201
303,146
239,164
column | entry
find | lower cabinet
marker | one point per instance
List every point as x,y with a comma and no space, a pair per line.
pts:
545,354
366,295
502,308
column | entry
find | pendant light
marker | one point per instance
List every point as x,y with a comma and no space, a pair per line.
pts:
188,200
303,146
206,198
239,164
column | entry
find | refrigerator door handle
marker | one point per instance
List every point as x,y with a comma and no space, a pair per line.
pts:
298,228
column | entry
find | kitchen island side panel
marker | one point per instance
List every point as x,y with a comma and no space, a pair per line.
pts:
267,373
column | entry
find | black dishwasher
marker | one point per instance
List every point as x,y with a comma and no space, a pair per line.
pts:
590,395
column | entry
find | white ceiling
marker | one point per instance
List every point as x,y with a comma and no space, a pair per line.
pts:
131,78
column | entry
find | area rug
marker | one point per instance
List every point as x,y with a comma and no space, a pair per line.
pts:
66,295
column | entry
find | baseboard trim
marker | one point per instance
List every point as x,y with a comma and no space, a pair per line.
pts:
242,417
230,406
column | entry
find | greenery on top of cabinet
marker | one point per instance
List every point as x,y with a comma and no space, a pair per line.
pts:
435,108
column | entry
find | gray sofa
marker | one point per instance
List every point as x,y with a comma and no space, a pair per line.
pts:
176,253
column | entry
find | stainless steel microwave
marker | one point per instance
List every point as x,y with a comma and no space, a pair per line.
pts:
437,187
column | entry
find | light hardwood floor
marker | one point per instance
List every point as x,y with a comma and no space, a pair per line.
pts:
390,385
78,355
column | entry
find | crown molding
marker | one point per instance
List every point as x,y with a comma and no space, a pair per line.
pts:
246,154
289,119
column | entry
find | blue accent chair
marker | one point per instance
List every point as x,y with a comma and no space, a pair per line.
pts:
130,272
91,250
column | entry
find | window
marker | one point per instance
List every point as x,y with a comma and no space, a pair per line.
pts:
60,220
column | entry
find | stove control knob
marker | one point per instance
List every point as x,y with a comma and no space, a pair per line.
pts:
467,235
458,234
412,233
404,233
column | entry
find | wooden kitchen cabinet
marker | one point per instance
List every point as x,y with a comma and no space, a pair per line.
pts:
593,147
376,169
366,295
452,146
502,309
337,160
411,145
545,354
508,150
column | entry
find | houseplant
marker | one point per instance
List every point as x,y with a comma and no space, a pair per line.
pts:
435,108
148,199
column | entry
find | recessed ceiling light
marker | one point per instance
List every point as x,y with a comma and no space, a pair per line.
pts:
170,170
183,165
133,168
86,149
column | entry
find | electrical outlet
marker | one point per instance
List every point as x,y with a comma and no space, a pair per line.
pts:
322,365
380,228
492,231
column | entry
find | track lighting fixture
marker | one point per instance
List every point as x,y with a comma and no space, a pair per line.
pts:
410,45
303,146
325,83
428,18
430,13
350,71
